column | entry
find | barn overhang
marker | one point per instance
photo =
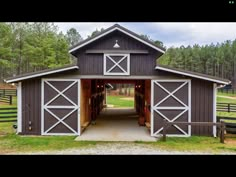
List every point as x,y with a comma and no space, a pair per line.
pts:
201,76
113,28
40,73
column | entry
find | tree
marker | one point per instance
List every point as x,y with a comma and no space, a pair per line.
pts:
73,36
157,42
27,47
94,33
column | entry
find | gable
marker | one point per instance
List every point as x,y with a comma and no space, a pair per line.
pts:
116,31
126,43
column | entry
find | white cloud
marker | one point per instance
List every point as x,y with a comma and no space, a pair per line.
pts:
171,34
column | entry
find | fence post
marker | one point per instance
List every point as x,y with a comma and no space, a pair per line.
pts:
222,131
228,107
3,92
10,99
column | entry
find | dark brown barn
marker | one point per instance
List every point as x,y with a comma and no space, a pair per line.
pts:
62,101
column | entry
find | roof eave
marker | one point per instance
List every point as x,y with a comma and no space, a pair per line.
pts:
192,75
39,74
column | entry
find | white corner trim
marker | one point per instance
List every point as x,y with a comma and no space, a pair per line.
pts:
119,29
42,74
78,110
189,108
214,107
42,105
191,75
152,110
19,108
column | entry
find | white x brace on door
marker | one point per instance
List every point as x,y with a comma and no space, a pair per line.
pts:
171,102
60,107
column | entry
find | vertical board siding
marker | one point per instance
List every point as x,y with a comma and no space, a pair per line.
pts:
140,64
31,106
202,106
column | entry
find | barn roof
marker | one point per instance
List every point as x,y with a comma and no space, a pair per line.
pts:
121,29
40,73
193,74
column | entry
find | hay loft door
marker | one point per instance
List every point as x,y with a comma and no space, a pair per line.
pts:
171,101
60,107
116,64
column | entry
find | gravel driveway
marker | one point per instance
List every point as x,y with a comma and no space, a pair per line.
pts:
118,148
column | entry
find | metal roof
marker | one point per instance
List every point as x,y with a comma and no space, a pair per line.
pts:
193,74
40,73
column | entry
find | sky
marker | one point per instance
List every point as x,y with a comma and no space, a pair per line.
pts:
171,34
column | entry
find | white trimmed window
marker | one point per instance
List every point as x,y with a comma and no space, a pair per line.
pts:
116,64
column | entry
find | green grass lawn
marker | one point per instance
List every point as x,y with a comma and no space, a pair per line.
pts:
12,143
117,101
225,100
195,143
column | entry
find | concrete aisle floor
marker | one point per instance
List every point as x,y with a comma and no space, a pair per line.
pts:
115,124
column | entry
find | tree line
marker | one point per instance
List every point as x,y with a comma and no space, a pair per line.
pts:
29,47
214,59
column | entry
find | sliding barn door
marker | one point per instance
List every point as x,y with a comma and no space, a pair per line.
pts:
60,107
171,102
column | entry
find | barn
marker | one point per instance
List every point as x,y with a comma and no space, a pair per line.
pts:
64,100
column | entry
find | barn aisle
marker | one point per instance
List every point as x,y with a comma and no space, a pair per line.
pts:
116,124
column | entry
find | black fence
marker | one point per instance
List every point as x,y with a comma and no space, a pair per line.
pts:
230,125
6,99
226,107
227,90
8,114
7,92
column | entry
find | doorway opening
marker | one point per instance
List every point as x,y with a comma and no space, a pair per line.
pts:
120,95
115,110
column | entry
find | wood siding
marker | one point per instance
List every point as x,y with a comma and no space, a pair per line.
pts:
140,64
202,106
201,103
147,100
31,106
85,95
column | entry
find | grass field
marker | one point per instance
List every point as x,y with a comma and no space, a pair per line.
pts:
196,143
12,143
118,101
225,100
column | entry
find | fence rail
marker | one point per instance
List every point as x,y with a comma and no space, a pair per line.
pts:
11,92
8,114
228,91
6,99
226,107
